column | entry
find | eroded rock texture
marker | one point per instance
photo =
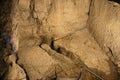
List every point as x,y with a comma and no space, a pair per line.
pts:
59,40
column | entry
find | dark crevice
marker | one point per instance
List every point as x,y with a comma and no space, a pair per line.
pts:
75,59
89,7
55,78
65,52
45,40
117,1
110,51
59,50
111,62
17,58
52,45
111,56
27,77
80,74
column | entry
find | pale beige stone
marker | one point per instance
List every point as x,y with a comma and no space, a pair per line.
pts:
63,39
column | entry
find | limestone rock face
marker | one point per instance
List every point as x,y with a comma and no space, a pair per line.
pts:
105,26
59,40
15,72
64,17
38,64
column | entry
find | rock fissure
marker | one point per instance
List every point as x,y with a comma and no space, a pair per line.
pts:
27,76
32,8
34,15
59,39
21,66
70,55
70,34
77,62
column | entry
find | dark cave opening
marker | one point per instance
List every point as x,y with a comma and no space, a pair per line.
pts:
117,1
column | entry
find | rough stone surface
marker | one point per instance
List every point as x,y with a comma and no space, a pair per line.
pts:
15,72
104,26
38,64
84,46
59,40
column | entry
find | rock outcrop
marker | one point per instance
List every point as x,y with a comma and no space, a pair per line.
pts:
59,40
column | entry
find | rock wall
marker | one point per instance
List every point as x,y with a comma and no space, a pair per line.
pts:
104,25
59,40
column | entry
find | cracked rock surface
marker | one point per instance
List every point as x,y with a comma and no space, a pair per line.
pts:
59,40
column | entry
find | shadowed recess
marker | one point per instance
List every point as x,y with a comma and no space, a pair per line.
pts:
117,1
5,10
